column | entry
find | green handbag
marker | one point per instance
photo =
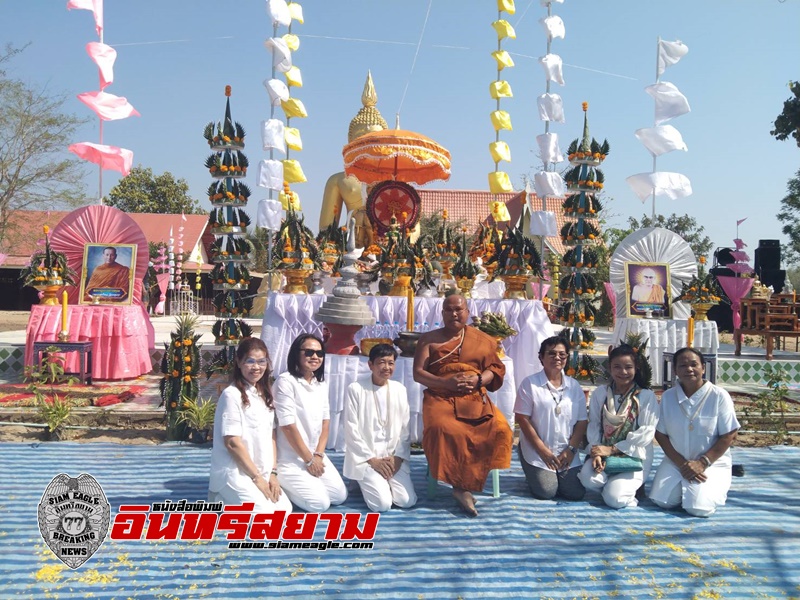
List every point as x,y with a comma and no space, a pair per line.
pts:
622,464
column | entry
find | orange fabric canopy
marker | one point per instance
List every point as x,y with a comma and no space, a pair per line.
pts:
396,154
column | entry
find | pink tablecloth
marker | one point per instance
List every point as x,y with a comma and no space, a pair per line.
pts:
122,336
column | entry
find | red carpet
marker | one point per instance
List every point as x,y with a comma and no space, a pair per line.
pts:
15,395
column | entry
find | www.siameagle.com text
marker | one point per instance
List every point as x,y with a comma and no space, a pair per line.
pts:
321,546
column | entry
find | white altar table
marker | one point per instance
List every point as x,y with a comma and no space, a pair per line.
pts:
288,315
667,335
341,371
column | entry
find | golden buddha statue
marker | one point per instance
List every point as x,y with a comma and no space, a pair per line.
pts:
342,189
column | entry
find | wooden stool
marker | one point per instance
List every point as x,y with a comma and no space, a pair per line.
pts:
669,375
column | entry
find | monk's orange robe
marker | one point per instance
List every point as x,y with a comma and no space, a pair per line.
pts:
108,276
462,452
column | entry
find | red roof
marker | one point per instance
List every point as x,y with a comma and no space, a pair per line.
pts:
24,232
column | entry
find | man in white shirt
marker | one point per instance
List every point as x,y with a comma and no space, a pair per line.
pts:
377,439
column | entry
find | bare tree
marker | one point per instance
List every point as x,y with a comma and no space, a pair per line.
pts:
36,170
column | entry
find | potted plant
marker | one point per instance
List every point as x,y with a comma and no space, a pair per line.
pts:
48,271
198,415
56,413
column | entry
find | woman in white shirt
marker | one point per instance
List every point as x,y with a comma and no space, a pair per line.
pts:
696,429
622,423
243,457
301,403
551,414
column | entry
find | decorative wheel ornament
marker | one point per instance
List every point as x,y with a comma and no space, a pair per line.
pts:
392,198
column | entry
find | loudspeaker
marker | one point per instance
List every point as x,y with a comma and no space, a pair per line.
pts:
723,256
767,258
769,243
775,278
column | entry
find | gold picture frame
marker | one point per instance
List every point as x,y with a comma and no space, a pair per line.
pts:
647,287
107,273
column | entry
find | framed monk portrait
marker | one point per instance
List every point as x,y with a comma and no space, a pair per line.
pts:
648,289
107,274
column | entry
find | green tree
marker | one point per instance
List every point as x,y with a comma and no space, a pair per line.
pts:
36,170
788,122
143,192
685,226
789,215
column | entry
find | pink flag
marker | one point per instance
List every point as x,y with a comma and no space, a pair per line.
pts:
740,221
96,6
108,157
108,106
103,56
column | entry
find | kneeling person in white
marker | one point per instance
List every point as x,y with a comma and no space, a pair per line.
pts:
696,429
301,403
243,458
377,439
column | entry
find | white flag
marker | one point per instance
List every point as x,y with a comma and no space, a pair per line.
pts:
279,12
543,223
269,214
660,140
549,183
662,183
670,103
281,55
270,174
278,91
272,135
551,108
553,26
551,64
669,53
548,148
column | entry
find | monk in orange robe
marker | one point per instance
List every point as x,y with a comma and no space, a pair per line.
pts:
108,274
464,435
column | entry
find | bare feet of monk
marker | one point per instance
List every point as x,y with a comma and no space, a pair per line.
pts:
466,501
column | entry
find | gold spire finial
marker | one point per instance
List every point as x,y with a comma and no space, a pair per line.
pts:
368,118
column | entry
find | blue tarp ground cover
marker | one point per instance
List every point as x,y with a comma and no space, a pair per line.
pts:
518,547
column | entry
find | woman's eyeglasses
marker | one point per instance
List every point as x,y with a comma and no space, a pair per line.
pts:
308,353
557,355
252,362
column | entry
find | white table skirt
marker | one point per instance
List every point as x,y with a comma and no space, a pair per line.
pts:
665,335
341,371
289,315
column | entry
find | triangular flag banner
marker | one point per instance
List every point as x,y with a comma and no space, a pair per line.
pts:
292,136
108,157
504,29
669,53
96,6
279,12
296,12
501,120
553,26
294,77
293,172
270,174
506,5
547,3
503,59
269,214
294,108
281,55
670,103
660,140
108,106
543,223
103,56
549,183
292,41
499,183
273,135
551,108
662,183
500,151
552,68
549,150
500,89
278,91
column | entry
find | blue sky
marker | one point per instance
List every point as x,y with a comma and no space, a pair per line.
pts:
176,56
